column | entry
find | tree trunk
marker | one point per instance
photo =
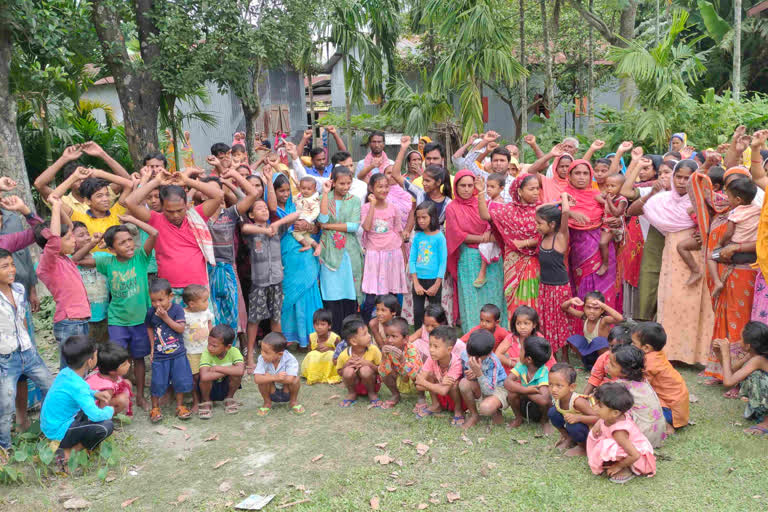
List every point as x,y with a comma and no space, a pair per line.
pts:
524,81
138,92
591,80
549,79
11,154
736,50
47,149
174,132
315,140
347,108
251,115
627,89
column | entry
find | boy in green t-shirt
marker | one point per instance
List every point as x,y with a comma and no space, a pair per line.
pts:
126,274
221,371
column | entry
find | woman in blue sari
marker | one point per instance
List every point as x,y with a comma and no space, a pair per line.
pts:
301,293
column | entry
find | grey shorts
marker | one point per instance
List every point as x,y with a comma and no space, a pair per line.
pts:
265,303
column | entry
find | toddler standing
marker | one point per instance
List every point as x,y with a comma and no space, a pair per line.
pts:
198,322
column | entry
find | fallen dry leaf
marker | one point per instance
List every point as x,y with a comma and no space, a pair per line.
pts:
181,499
421,448
180,427
381,446
409,483
221,463
76,504
317,457
480,439
300,487
395,413
692,398
434,500
445,486
162,431
421,506
383,459
731,470
466,439
225,486
313,414
186,437
127,503
453,496
333,396
756,496
375,503
408,442
212,437
399,462
249,473
522,441
391,489
110,477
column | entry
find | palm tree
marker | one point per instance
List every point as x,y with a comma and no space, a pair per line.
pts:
662,74
413,111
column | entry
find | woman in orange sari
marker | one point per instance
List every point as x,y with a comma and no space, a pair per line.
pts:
733,305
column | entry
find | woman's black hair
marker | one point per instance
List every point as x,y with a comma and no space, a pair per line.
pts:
172,192
442,176
401,324
322,315
538,349
606,161
755,334
110,357
480,343
340,170
434,219
445,333
437,312
372,183
109,234
669,163
390,302
550,213
615,396
526,311
631,360
685,164
528,177
674,154
656,161
281,180
155,156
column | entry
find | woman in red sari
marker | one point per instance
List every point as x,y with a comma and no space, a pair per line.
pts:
515,226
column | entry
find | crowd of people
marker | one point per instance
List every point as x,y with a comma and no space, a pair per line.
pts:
374,268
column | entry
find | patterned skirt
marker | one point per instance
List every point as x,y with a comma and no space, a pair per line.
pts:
521,281
384,272
555,324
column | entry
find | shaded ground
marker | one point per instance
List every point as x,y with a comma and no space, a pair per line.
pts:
708,466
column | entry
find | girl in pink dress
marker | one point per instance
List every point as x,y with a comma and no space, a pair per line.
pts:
384,269
615,446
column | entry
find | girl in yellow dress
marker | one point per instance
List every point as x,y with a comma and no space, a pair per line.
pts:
318,363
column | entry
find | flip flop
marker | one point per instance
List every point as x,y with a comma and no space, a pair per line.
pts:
622,479
231,406
347,403
419,407
457,421
155,415
298,409
388,404
375,404
183,413
263,411
424,413
756,430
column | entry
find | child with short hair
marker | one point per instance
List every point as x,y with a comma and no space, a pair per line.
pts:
483,380
125,269
220,159
239,154
70,414
221,372
318,365
113,363
751,373
598,319
62,278
490,252
427,260
528,384
170,366
620,335
490,319
571,413
358,364
308,206
387,308
441,373
616,446
277,371
615,206
524,323
627,364
667,382
400,364
198,322
95,286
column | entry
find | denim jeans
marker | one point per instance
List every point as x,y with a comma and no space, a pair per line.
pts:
12,366
63,329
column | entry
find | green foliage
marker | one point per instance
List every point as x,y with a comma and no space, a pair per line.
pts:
416,112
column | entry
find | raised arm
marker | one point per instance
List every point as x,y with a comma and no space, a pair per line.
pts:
134,203
339,141
83,256
93,149
303,142
531,141
542,163
738,145
42,182
616,159
482,205
628,189
611,314
596,146
756,167
149,243
210,190
244,204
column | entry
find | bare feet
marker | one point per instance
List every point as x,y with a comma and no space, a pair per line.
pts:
497,418
547,428
471,420
695,278
318,250
563,442
142,402
602,270
576,451
670,429
732,393
194,408
305,248
518,421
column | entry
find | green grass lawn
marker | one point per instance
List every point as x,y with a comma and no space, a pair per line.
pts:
710,465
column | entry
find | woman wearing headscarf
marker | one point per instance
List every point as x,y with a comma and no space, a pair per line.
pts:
677,141
684,311
464,230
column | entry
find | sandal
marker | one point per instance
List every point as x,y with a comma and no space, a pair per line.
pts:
375,404
263,411
756,430
388,404
424,413
298,409
622,479
204,410
231,406
457,421
419,407
183,413
155,415
347,403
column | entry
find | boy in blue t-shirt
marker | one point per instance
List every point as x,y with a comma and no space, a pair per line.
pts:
483,379
165,328
528,384
70,414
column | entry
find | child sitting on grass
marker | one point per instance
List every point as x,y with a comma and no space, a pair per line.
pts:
387,308
524,323
113,363
751,372
70,414
198,322
615,445
598,319
490,317
434,316
358,364
619,335
170,366
571,413
483,380
221,372
528,384
318,365
440,375
277,374
667,382
400,364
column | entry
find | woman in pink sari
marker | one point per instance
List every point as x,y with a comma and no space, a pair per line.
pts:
584,252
